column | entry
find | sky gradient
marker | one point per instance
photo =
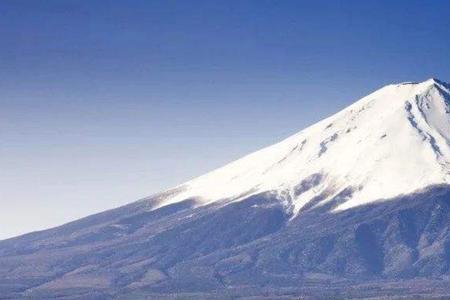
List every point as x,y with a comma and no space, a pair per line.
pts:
105,102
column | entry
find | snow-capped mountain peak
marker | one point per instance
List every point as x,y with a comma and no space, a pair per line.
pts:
391,142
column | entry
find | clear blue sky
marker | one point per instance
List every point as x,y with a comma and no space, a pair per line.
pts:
104,102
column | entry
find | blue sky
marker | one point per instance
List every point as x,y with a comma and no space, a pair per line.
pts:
104,102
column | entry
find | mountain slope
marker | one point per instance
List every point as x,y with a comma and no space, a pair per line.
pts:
357,205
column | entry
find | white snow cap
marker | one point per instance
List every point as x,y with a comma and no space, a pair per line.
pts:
394,141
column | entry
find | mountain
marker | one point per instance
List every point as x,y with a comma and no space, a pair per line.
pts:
354,206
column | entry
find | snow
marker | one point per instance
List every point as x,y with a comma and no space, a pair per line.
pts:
394,141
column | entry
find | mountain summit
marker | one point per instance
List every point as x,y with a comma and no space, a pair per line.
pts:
354,206
391,142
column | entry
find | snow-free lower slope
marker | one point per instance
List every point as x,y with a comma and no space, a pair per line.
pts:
391,142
